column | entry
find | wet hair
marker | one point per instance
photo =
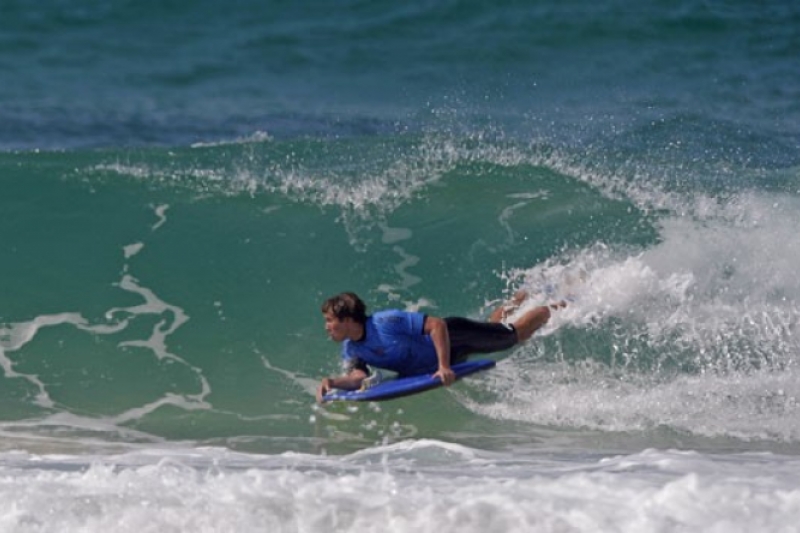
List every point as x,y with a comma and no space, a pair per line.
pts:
346,305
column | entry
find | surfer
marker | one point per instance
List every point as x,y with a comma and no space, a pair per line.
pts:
412,343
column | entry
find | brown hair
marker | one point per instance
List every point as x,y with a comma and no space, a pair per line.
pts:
346,305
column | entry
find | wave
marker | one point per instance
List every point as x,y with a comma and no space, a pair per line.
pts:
206,264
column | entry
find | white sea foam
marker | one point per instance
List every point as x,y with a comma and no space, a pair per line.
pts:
160,212
697,333
414,486
132,249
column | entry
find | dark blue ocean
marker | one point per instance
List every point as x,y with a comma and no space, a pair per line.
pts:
183,183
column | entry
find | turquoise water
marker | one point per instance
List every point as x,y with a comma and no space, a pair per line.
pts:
182,184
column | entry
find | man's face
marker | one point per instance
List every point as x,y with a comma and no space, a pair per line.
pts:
337,329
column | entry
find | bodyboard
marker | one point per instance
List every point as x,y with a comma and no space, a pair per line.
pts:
403,386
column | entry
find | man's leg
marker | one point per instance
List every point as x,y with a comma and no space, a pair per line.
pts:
530,321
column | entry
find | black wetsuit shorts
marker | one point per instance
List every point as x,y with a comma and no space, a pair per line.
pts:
469,337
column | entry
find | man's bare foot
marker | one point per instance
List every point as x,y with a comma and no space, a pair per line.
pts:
502,313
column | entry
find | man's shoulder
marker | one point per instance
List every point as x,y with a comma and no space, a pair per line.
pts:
389,314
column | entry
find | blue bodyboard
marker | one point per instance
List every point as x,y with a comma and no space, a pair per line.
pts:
397,387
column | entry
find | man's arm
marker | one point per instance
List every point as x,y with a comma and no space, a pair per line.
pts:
350,381
437,329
